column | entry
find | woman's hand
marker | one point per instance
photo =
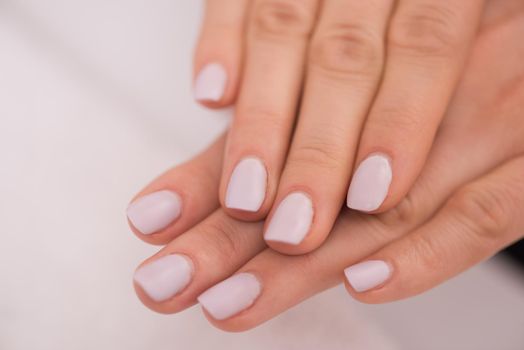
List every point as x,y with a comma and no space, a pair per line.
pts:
464,207
369,82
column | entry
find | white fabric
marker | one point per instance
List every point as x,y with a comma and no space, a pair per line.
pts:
96,100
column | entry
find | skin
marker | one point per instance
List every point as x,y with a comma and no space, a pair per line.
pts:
348,79
465,206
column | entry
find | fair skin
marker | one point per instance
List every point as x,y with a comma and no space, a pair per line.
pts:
321,86
465,206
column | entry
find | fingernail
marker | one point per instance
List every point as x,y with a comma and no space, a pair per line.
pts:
155,211
367,275
230,296
210,83
247,186
164,277
370,184
292,219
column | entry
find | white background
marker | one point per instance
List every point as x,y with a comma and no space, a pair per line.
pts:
95,101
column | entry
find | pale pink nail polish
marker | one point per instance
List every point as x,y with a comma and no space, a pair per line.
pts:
155,211
231,296
210,84
292,219
367,275
164,277
370,184
247,186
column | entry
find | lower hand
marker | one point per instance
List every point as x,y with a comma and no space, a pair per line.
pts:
465,206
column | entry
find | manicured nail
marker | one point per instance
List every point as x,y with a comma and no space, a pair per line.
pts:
247,186
155,211
164,277
210,83
292,219
370,184
230,296
367,275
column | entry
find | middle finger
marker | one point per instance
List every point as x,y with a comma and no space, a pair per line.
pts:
345,65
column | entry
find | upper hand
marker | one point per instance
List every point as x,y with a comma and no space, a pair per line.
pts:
466,205
367,84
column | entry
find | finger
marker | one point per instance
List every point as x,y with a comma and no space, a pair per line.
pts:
178,199
278,282
259,138
477,222
496,11
287,280
171,280
427,45
284,280
345,65
218,56
370,232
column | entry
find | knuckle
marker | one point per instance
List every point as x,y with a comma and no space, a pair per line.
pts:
511,93
310,263
201,176
412,209
347,50
483,211
406,212
425,251
318,153
282,17
427,30
264,115
253,121
400,118
222,237
258,124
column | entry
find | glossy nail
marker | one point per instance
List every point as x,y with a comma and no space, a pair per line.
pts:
292,220
155,211
210,83
370,184
231,296
164,277
367,275
247,186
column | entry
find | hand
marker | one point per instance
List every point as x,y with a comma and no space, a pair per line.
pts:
465,206
373,79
